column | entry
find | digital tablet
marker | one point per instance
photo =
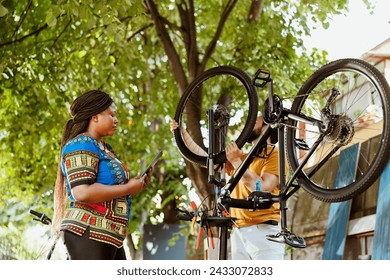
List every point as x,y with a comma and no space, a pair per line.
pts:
152,163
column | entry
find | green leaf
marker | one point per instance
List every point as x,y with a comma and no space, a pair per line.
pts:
51,19
3,10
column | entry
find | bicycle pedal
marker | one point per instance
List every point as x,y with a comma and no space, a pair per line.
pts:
295,241
262,77
302,145
289,239
276,238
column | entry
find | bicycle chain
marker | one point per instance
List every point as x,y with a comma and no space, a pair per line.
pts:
297,128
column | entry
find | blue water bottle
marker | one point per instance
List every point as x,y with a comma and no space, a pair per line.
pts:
258,186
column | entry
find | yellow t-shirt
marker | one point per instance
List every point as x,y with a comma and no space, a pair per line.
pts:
258,166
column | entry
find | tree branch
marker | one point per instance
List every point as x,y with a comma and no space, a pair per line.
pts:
255,10
62,32
173,56
138,32
24,14
210,48
39,30
188,30
34,33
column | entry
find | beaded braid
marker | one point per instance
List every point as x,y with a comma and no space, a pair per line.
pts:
82,109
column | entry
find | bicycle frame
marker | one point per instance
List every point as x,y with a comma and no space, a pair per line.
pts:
287,189
228,202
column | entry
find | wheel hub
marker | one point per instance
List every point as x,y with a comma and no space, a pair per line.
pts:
341,132
221,115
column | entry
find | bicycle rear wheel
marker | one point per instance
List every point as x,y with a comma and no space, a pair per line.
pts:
347,103
230,93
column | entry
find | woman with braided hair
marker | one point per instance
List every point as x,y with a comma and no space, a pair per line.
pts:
95,181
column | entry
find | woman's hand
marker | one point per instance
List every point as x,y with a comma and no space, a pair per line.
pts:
143,181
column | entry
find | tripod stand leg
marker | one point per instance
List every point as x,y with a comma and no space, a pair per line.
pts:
223,239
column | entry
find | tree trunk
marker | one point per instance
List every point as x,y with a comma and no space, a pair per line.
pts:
197,174
255,10
134,253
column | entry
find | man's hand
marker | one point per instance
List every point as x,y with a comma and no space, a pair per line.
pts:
173,125
233,154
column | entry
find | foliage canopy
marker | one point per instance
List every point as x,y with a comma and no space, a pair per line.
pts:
143,53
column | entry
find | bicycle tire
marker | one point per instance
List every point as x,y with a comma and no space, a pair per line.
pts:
204,92
360,115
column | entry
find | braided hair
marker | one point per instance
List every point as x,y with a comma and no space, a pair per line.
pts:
82,110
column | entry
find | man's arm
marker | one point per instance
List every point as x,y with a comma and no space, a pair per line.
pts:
268,181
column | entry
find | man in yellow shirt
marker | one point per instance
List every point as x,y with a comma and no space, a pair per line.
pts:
248,237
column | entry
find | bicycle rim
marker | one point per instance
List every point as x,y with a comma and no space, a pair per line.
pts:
354,128
230,94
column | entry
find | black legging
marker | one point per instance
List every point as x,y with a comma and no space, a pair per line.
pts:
83,248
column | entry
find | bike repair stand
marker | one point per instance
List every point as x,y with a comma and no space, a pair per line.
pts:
221,220
257,200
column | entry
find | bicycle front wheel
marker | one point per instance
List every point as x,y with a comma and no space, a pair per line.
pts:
230,94
340,132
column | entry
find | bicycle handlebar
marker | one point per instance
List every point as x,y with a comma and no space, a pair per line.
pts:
255,201
41,217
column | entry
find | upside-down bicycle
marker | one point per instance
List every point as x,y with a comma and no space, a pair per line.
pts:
343,103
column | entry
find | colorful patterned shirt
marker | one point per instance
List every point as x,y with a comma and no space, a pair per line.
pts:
84,161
